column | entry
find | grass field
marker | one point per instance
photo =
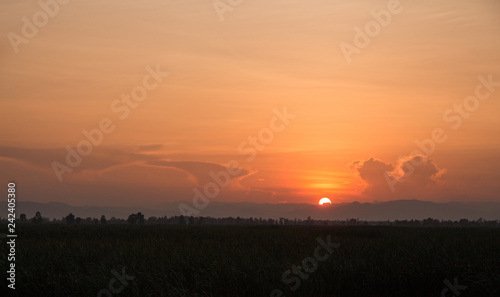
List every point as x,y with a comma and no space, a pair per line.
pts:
77,260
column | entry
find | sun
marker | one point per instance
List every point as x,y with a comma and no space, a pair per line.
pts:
324,200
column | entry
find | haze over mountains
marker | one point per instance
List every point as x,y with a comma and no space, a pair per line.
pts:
391,210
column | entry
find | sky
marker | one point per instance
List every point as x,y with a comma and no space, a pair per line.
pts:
127,103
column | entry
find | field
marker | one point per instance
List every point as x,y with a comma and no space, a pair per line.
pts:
77,260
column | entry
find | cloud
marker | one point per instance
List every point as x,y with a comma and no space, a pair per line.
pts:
202,171
419,170
100,158
119,176
411,177
372,172
149,148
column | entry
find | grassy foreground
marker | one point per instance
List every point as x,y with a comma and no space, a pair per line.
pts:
77,260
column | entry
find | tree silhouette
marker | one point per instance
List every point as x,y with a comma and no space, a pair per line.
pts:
70,219
38,218
136,218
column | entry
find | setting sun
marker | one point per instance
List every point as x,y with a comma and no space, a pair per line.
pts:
324,200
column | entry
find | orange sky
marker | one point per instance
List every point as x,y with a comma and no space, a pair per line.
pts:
354,121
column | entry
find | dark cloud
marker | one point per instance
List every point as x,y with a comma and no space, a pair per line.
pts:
99,159
373,173
411,177
116,176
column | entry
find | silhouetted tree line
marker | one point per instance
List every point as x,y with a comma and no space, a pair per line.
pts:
138,218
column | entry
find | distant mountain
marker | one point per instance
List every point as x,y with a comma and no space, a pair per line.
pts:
379,211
